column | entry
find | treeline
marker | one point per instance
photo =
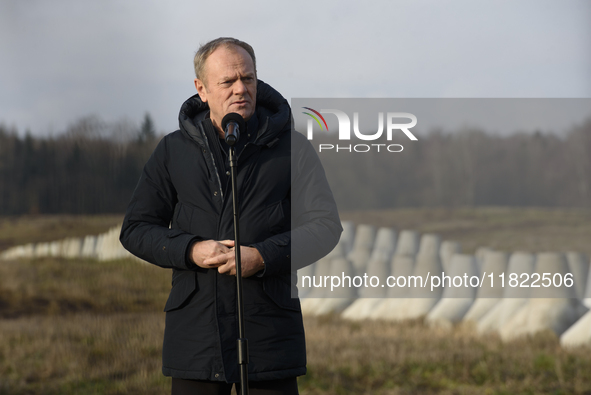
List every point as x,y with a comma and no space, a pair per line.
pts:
93,168
466,168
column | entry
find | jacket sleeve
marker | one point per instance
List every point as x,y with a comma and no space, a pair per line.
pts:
315,224
146,229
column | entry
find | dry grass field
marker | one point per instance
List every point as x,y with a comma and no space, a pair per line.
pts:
86,327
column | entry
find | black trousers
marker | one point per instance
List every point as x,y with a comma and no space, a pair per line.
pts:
287,386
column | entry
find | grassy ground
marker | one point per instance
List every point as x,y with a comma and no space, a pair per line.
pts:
84,327
81,327
55,287
408,358
117,353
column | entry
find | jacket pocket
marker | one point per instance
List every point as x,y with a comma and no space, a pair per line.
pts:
278,216
196,220
184,284
279,289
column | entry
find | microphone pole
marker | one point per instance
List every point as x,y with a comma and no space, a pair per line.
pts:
232,123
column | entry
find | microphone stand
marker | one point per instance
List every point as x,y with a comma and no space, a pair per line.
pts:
242,342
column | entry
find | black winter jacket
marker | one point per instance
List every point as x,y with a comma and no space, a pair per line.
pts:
287,212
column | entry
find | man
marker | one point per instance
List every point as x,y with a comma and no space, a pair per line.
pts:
180,217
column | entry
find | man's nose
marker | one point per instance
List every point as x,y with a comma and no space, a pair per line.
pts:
240,87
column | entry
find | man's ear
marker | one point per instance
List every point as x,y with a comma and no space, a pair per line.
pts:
201,90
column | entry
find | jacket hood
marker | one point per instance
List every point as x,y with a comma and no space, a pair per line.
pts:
272,110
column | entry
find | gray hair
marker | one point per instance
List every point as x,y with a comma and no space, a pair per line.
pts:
207,49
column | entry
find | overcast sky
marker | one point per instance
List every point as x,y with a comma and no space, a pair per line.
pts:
61,60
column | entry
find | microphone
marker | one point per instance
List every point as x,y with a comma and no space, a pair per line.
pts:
232,123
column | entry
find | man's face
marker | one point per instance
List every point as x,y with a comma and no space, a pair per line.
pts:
229,84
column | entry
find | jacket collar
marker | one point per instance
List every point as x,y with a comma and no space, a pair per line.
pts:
273,112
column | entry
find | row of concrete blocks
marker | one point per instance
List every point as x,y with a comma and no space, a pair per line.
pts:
381,252
103,247
511,312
